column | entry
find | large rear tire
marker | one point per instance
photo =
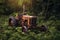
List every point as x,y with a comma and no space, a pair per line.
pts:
13,21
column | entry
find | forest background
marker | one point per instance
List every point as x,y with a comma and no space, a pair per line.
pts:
47,11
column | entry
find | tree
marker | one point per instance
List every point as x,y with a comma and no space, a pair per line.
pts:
17,4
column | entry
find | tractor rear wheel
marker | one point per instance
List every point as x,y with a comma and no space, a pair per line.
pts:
13,21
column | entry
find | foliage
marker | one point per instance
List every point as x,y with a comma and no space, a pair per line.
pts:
47,12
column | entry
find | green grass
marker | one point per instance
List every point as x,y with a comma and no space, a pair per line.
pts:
15,33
